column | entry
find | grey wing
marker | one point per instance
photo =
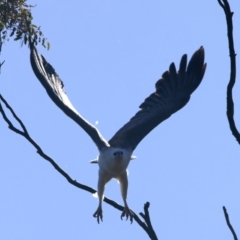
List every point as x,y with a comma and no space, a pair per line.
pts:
172,93
50,80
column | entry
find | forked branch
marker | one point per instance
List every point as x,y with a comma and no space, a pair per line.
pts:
24,133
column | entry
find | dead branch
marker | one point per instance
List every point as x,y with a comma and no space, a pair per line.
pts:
147,227
229,224
230,104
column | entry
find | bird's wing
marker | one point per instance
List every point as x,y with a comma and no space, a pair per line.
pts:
172,93
50,80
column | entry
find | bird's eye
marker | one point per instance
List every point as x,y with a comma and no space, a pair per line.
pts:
118,153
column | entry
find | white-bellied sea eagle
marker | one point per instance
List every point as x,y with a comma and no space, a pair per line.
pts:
172,92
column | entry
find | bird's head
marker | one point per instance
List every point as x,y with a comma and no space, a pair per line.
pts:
118,154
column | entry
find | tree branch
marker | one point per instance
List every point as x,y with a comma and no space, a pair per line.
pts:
147,219
230,104
147,227
229,224
1,63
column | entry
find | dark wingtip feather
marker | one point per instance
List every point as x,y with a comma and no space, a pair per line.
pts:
197,60
203,70
197,67
183,64
172,69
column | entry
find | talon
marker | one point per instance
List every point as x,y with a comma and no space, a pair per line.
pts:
128,213
98,215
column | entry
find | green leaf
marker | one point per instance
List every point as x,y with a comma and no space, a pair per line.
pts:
13,31
43,42
17,38
25,39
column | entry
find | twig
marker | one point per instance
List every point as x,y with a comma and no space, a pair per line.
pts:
229,224
146,226
1,63
230,104
147,219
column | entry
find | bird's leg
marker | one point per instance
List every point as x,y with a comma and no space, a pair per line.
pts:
103,178
127,212
123,180
98,213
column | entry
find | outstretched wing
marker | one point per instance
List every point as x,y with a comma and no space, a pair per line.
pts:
172,93
54,86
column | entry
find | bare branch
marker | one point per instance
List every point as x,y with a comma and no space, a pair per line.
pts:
146,226
147,219
229,224
230,104
14,115
1,63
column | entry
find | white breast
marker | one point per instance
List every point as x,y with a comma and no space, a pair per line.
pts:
114,164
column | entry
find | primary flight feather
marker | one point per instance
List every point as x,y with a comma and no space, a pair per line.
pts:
172,92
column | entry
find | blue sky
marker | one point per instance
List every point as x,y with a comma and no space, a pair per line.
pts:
109,55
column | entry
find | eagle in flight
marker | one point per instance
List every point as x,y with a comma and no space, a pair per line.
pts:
172,92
